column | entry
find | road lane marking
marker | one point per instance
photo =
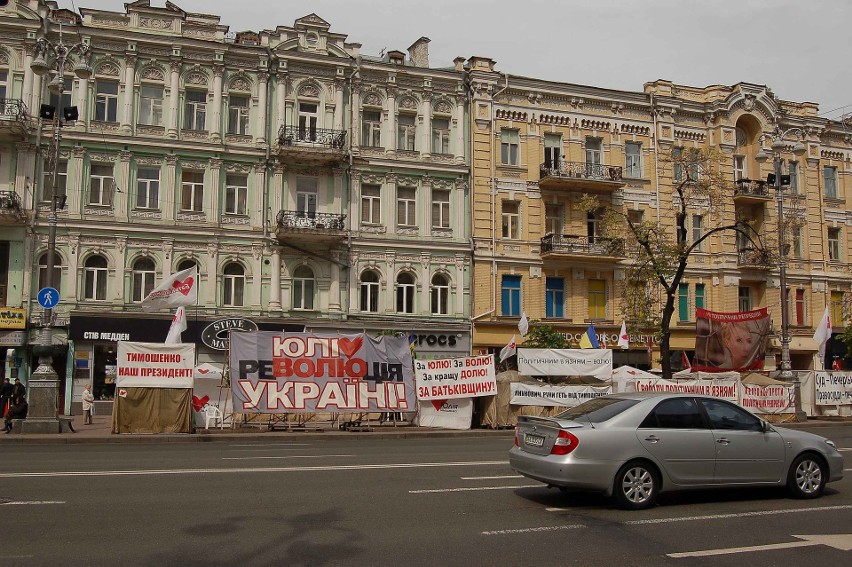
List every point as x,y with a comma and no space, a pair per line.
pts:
31,502
842,542
154,472
258,445
531,530
490,477
282,457
738,515
472,489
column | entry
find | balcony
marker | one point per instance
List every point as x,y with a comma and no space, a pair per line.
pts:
748,191
580,175
14,119
11,210
569,246
751,258
315,146
310,227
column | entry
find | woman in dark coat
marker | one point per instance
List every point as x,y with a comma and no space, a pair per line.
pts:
5,397
18,410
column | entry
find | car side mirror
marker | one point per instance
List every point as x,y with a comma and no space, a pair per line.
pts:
765,426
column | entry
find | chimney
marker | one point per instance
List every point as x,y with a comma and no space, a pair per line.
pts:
418,52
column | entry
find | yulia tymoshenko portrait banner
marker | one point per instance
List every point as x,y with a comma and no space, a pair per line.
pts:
730,341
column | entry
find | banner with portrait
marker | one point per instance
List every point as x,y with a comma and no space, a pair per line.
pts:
730,341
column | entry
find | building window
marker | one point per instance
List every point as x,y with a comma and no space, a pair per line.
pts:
100,185
740,171
836,310
683,302
510,296
636,216
553,219
144,275
510,144
106,101
744,298
303,288
594,153
238,114
829,176
554,297
440,208
95,278
187,264
440,295
793,170
66,95
371,204
597,299
4,77
677,165
593,225
405,293
371,128
195,110
797,244
192,191
308,119
552,151
370,292
147,188
440,136
233,285
57,272
834,244
406,206
406,132
511,219
236,194
698,231
799,308
306,195
699,296
61,180
633,159
151,105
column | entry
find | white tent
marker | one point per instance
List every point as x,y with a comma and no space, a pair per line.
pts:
624,378
207,371
688,375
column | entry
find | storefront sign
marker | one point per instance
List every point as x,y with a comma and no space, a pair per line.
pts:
13,338
13,318
302,372
833,388
549,395
450,378
155,365
215,335
565,362
767,399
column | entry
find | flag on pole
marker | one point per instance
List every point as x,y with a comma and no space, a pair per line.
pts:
510,349
623,337
590,338
823,333
178,326
685,360
181,288
524,324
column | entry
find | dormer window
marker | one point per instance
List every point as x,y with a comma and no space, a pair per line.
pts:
396,57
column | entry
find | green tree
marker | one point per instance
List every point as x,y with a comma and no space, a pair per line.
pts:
543,336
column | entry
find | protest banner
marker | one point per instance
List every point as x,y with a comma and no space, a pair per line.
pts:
833,388
449,414
450,378
565,362
727,389
730,341
549,395
767,399
154,365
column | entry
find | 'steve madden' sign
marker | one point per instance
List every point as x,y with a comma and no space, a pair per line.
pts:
215,335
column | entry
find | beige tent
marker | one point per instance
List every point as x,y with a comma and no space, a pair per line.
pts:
755,379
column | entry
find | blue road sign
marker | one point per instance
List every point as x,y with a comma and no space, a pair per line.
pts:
48,297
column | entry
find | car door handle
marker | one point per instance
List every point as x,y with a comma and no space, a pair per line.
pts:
652,438
723,441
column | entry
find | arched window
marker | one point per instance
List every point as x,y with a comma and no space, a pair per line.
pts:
303,288
405,293
370,291
187,264
233,285
144,274
95,278
440,295
57,272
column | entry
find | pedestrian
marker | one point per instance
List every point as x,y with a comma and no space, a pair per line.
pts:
18,410
19,390
5,396
88,404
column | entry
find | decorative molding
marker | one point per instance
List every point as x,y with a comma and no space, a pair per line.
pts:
153,73
234,219
192,217
107,69
196,78
155,23
146,214
374,229
98,211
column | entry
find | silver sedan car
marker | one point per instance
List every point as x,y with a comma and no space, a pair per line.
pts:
634,446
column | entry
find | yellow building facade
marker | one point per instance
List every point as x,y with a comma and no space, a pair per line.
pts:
538,147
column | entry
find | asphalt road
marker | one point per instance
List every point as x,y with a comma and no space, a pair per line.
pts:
377,502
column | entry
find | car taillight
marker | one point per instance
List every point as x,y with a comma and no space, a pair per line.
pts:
565,443
517,443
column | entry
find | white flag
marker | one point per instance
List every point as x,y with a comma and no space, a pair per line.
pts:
524,324
178,326
823,333
181,288
510,349
623,337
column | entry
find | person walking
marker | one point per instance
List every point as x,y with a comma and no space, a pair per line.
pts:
88,404
5,397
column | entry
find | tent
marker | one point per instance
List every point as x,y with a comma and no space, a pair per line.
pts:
756,379
623,378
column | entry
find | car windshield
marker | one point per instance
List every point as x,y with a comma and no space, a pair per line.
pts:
597,410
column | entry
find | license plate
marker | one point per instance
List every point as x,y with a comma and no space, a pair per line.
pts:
534,440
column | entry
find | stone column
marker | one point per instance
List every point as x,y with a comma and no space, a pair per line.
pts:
72,277
338,104
119,279
211,196
459,281
27,87
335,201
174,92
170,193
286,294
275,282
355,127
458,145
74,182
212,269
281,97
82,100
390,122
389,201
458,214
215,128
256,275
254,200
426,127
334,299
167,244
129,74
426,199
262,87
425,281
277,202
36,95
122,187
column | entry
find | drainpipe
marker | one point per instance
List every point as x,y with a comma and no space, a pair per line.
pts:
494,201
656,158
348,189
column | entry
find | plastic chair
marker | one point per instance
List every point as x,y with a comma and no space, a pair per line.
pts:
215,414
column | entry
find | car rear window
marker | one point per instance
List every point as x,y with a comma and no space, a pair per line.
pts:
597,410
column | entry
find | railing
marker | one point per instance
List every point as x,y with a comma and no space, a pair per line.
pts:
316,221
317,137
569,244
753,257
10,200
749,188
581,170
13,108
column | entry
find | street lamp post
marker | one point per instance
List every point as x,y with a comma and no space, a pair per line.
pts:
44,382
777,136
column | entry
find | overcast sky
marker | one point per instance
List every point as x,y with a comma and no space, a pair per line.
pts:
800,49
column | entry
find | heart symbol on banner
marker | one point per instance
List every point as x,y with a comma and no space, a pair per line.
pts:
198,403
349,347
184,286
438,404
202,370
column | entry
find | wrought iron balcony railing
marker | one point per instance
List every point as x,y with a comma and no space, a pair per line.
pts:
570,244
750,188
316,137
9,200
754,257
311,220
13,109
581,170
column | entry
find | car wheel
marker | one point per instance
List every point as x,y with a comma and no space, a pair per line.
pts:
636,486
806,478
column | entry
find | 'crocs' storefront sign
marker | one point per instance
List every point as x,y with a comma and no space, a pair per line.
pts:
215,335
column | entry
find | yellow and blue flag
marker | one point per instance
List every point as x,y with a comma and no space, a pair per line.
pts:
590,338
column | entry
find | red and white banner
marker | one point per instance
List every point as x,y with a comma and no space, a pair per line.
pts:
451,378
767,399
181,288
550,395
154,365
725,389
446,414
730,341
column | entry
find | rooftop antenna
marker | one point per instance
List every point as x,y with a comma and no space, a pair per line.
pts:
382,52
